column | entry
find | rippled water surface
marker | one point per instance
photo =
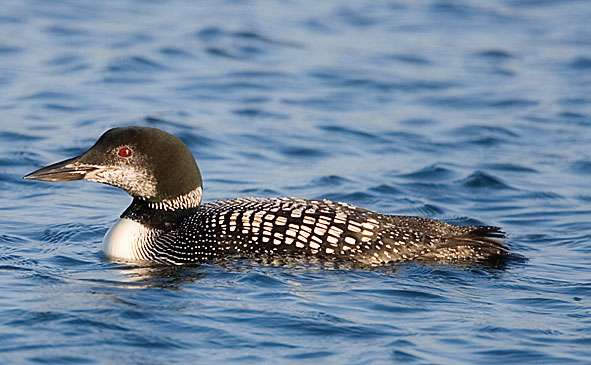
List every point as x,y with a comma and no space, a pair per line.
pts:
468,112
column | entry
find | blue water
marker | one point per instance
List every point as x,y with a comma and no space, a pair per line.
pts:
467,112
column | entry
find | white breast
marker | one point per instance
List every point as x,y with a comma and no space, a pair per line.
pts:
125,240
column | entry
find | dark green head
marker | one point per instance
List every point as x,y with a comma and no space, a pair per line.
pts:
145,162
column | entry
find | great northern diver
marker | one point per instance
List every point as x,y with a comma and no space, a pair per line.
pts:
165,222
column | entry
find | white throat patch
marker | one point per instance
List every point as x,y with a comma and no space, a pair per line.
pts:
127,240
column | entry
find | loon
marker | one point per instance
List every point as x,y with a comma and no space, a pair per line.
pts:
166,223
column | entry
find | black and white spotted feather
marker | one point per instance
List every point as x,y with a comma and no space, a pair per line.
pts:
321,229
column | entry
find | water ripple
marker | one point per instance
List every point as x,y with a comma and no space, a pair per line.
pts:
482,180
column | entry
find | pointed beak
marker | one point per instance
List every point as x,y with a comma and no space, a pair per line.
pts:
68,170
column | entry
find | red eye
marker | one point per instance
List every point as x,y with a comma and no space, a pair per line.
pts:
124,152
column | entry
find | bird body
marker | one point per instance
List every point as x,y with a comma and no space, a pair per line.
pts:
167,224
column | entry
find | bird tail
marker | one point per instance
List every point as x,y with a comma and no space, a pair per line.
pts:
472,242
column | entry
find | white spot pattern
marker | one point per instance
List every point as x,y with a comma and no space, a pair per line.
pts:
189,200
255,227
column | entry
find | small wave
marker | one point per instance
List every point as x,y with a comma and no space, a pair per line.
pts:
582,167
259,114
386,189
347,131
495,54
9,50
303,152
134,64
431,173
581,63
482,180
509,167
330,180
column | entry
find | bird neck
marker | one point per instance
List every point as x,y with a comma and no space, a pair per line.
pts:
163,215
192,199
